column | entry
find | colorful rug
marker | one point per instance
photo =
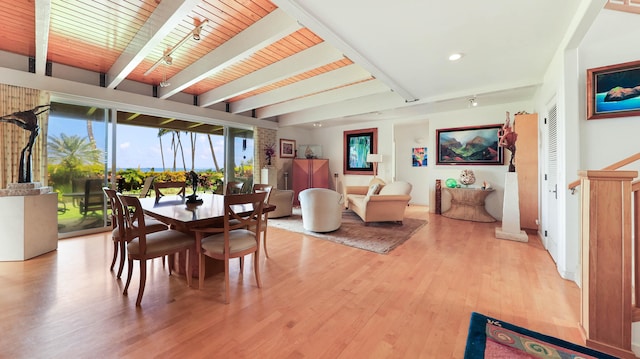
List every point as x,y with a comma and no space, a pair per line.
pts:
378,237
492,338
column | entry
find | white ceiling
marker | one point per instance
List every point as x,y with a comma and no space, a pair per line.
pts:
506,46
287,64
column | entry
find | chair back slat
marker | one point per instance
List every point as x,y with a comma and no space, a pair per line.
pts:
134,220
146,187
159,186
117,215
260,187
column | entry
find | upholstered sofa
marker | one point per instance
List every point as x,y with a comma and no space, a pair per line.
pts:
379,202
283,200
321,209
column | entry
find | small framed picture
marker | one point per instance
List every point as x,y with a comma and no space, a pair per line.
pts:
419,157
287,148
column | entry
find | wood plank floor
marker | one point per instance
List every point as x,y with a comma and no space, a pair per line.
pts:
319,300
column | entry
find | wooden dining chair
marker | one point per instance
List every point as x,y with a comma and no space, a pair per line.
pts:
118,225
233,240
259,187
143,245
158,187
234,187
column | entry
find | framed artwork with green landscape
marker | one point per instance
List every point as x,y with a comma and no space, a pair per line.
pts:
357,145
476,145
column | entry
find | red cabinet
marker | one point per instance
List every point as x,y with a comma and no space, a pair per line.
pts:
309,173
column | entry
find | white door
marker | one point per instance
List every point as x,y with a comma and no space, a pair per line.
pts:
550,188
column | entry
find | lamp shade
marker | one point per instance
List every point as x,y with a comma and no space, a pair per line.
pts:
374,158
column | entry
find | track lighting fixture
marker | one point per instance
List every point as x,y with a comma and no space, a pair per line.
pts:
166,57
164,82
168,60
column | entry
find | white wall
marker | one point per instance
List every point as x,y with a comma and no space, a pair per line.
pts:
406,137
609,140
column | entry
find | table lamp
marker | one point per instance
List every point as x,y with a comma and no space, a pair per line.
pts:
374,158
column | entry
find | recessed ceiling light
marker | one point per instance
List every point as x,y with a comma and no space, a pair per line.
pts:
455,57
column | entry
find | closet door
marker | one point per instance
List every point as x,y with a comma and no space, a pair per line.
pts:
526,126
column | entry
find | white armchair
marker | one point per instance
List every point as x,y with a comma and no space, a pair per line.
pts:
321,209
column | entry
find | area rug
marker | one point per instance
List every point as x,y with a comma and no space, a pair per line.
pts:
492,338
378,237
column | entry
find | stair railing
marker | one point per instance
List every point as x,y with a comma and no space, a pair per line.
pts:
609,215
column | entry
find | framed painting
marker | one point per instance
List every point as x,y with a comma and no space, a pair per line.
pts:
613,91
357,145
287,148
476,145
419,157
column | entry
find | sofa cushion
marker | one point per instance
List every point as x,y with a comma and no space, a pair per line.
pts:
373,189
398,187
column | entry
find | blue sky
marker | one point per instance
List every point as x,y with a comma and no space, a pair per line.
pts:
140,147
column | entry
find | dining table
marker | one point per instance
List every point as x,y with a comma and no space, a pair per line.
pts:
181,215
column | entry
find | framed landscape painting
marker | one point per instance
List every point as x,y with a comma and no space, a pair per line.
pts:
613,91
469,145
357,145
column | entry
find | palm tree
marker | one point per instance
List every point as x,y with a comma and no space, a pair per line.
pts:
71,152
162,132
176,144
92,139
213,153
192,138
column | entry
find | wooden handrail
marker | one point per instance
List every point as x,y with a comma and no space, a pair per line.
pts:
614,166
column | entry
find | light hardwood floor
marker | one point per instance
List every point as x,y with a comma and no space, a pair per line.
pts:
319,300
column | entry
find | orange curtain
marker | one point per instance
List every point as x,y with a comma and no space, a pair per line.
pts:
13,138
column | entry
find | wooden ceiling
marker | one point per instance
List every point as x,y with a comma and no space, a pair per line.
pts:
247,50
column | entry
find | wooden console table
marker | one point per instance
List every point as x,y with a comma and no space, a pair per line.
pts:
468,204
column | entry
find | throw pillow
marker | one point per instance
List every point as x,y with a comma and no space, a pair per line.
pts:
373,189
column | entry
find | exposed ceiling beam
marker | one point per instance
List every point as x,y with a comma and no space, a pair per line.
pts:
162,21
326,81
43,22
85,94
309,59
319,28
264,32
360,105
324,98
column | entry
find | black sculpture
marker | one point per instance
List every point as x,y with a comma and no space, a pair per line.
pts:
193,198
28,120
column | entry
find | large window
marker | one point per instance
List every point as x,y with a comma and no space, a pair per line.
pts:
82,152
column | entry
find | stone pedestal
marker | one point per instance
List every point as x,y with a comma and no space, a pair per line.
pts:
24,189
511,211
29,221
268,175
